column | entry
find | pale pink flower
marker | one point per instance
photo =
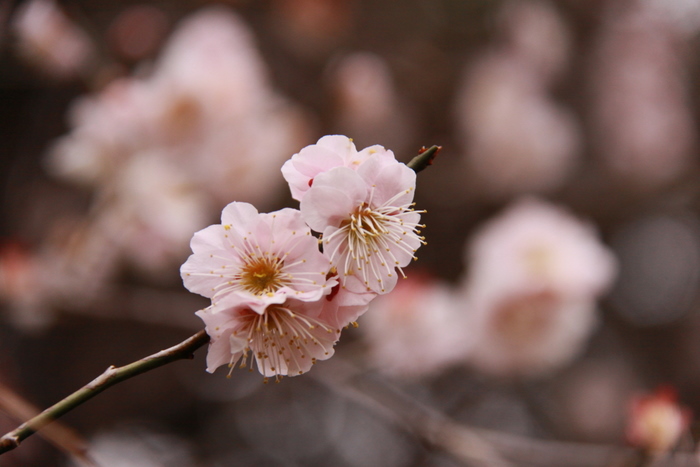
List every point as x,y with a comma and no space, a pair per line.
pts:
47,37
539,243
536,34
517,139
329,152
212,105
255,260
366,102
285,338
369,226
150,210
657,421
644,129
108,129
528,333
206,103
414,331
534,275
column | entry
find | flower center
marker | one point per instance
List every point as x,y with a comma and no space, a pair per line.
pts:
262,275
527,318
280,340
374,241
365,223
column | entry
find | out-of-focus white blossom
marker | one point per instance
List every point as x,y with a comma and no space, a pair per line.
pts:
49,39
164,150
643,127
536,34
366,103
516,138
416,330
534,275
207,104
151,211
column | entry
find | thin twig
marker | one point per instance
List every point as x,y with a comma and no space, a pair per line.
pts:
463,443
110,377
471,445
61,436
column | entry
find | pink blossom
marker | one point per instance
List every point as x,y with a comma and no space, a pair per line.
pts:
285,338
255,260
644,130
413,332
367,104
47,37
155,209
517,139
369,226
203,104
534,275
329,152
657,421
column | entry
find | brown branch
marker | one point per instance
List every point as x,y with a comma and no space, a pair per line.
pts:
110,377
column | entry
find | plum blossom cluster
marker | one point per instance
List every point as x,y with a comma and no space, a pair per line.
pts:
279,299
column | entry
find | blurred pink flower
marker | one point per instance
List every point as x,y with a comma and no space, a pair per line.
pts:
255,260
516,138
369,226
49,39
415,331
149,211
643,126
164,149
537,35
108,129
366,103
206,103
534,275
657,421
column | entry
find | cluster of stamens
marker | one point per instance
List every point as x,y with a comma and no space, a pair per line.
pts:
280,339
371,236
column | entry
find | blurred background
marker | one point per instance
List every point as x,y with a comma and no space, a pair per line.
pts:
558,290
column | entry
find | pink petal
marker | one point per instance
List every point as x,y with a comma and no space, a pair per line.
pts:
239,216
333,198
339,144
389,178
